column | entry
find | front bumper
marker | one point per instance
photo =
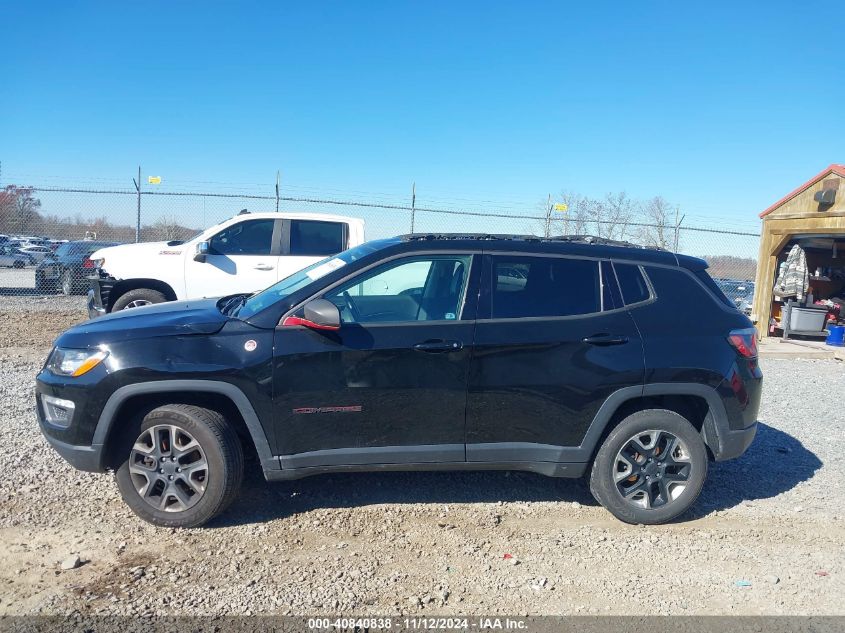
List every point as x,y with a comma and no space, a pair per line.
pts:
98,296
89,458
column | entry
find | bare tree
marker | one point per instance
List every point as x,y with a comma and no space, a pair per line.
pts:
167,228
614,215
660,217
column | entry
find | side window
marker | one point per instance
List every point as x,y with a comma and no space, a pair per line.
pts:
631,282
417,289
313,237
544,286
252,237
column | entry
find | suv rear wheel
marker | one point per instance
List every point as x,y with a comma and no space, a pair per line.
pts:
137,298
650,468
183,468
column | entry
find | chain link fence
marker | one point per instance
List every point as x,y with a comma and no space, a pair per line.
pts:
34,221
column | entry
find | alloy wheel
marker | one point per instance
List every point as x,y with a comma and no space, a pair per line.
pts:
137,303
168,467
652,469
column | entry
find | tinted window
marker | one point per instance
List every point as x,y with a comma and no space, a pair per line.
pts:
679,287
418,289
631,282
253,237
543,286
311,237
714,287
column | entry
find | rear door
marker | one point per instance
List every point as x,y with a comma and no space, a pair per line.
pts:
307,241
242,257
552,343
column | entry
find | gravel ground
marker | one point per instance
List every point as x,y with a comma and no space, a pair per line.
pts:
764,538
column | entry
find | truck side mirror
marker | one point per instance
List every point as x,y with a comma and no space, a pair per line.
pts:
202,252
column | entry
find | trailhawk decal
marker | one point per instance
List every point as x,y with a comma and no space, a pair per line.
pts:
350,409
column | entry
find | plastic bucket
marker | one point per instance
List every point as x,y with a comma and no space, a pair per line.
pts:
836,335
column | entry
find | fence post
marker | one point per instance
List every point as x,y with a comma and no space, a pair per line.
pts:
413,204
677,228
548,230
138,218
277,191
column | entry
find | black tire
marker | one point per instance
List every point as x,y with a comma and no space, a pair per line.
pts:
131,298
222,451
660,506
68,285
43,286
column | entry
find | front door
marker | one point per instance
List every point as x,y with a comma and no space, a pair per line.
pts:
242,257
390,386
551,345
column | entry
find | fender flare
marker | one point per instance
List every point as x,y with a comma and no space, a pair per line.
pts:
714,429
232,392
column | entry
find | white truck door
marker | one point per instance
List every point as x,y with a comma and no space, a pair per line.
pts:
242,257
307,241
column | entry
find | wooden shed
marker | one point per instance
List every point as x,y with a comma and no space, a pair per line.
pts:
812,216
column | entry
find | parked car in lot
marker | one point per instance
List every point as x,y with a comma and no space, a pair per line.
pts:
36,253
11,258
67,269
562,357
246,253
740,292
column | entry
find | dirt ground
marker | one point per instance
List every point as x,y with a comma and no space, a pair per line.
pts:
765,537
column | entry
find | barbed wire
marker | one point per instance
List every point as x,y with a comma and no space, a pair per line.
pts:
372,205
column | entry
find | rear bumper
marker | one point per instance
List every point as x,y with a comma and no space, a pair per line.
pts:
732,443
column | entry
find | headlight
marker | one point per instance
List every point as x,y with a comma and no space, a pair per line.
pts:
74,362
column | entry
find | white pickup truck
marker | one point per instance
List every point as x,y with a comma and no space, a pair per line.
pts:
246,253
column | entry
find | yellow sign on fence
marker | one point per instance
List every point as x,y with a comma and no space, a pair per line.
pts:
561,207
154,180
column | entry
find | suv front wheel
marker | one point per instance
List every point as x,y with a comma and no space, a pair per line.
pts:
183,466
650,468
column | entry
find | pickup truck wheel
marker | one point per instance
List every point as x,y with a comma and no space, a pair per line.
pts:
650,468
184,467
137,298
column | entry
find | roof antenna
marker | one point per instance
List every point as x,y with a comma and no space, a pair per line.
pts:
243,211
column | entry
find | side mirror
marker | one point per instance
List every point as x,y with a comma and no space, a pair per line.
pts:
318,314
202,252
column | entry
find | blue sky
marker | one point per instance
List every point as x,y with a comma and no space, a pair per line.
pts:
720,107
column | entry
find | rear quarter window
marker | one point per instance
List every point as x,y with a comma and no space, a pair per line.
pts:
680,288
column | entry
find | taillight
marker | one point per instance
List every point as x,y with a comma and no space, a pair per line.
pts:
87,263
744,341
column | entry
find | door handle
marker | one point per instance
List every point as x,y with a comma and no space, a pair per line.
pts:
434,347
263,267
605,339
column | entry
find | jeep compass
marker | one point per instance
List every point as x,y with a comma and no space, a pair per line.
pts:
566,357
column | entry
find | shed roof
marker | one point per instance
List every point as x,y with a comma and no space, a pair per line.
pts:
835,168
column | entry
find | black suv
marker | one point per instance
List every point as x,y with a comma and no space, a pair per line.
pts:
426,352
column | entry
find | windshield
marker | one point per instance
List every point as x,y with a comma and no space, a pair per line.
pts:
297,281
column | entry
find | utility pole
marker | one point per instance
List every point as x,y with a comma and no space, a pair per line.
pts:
278,177
548,230
138,219
413,203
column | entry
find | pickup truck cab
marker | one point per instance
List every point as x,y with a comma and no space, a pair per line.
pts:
244,254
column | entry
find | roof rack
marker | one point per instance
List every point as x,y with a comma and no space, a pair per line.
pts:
573,239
